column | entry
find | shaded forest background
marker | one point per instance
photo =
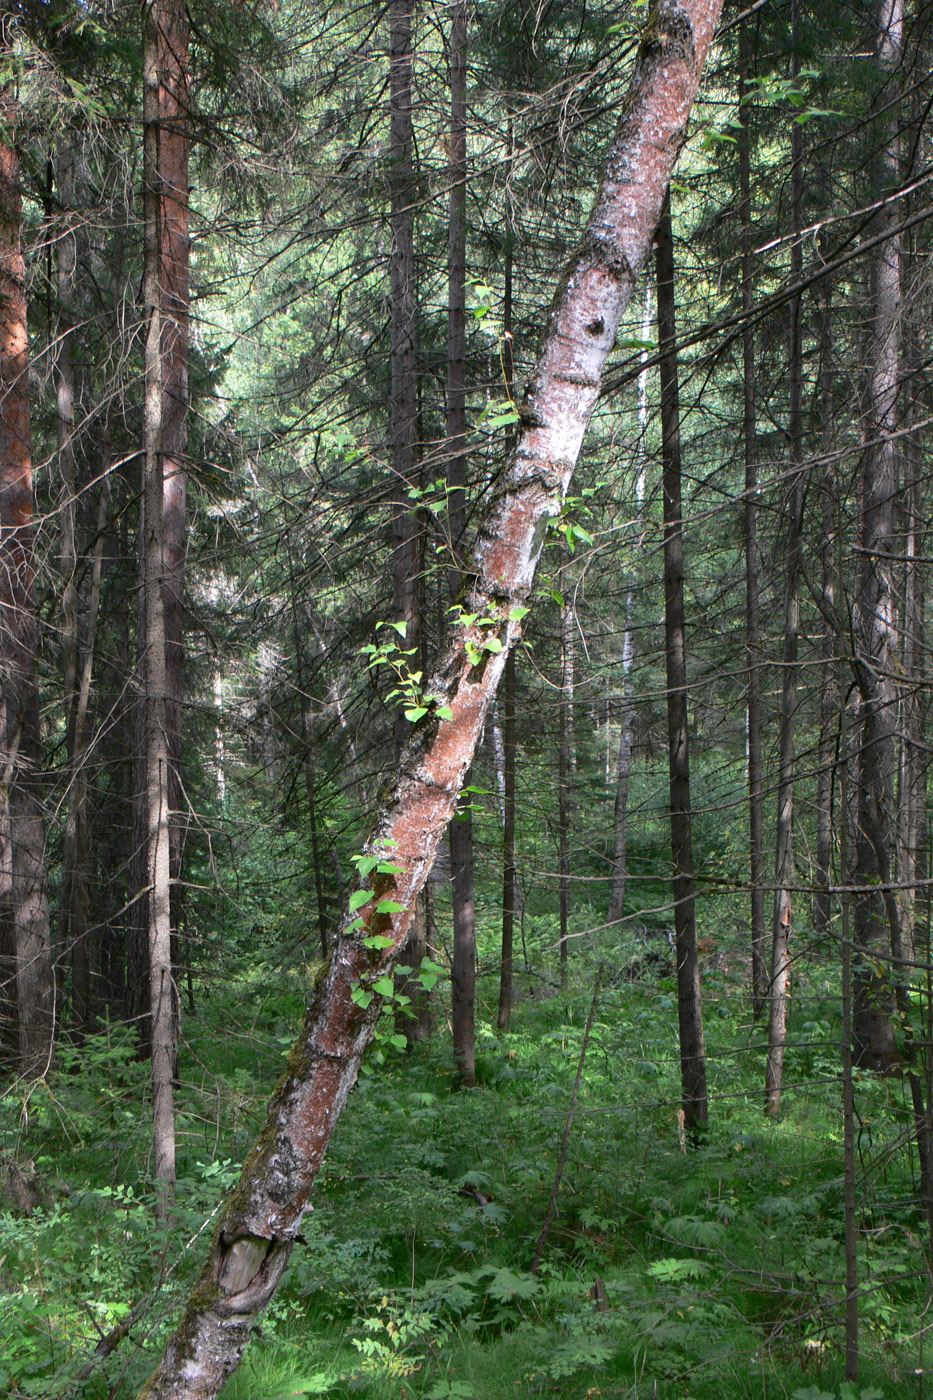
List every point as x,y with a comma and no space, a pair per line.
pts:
286,268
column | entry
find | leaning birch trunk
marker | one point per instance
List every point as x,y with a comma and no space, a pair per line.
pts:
255,1231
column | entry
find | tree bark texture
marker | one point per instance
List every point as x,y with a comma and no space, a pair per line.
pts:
28,991
784,869
690,1016
463,979
829,689
564,768
404,394
162,997
254,1233
510,892
875,623
912,776
404,414
627,718
463,970
168,93
756,853
75,896
508,844
174,141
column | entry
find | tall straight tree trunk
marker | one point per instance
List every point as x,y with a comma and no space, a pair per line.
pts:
28,989
174,143
756,861
166,26
76,854
564,769
404,402
627,718
690,1016
875,627
75,892
509,873
162,999
404,421
254,1233
782,927
911,808
913,840
508,845
307,763
829,698
463,979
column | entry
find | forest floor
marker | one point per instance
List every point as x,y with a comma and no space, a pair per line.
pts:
669,1270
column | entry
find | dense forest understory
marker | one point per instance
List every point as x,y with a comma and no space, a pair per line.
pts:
464,700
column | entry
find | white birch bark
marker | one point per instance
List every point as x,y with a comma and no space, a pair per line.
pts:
255,1231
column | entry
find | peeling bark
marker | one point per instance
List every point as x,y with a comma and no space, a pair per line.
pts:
275,1185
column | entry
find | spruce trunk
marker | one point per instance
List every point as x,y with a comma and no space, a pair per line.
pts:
28,991
690,1017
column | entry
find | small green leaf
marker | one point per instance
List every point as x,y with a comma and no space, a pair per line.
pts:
358,898
398,1041
389,906
415,713
493,644
444,712
378,941
502,420
361,996
517,613
384,986
365,865
385,867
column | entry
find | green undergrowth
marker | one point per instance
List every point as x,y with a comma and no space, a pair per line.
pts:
669,1269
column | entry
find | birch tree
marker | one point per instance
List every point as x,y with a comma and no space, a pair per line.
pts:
255,1231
